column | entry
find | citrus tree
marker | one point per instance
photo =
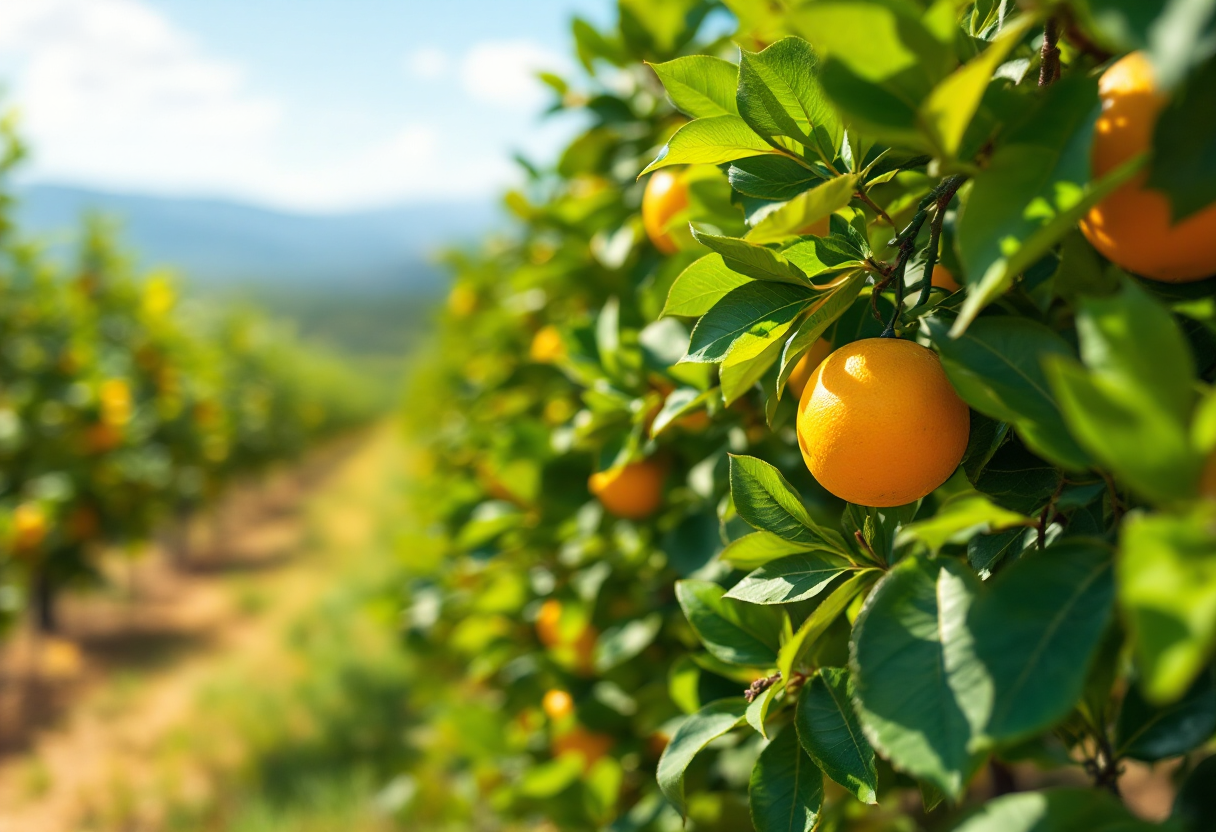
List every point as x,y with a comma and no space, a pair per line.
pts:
852,468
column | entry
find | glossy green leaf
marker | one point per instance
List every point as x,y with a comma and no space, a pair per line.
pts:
824,313
710,141
767,502
1184,167
831,733
1036,631
1055,810
791,578
620,643
1195,804
986,552
702,285
696,732
757,711
777,178
804,210
749,361
957,520
817,623
700,85
996,366
753,260
1167,589
786,788
734,632
1150,733
758,548
780,97
912,666
746,319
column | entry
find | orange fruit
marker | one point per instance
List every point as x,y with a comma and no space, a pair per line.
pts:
547,345
880,425
806,365
665,196
1133,226
115,398
589,745
943,279
29,526
633,491
557,704
548,623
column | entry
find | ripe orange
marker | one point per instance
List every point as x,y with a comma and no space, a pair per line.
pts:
880,425
806,365
548,623
557,704
665,196
633,491
943,279
547,345
1133,226
29,526
589,745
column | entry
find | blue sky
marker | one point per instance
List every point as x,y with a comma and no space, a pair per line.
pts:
319,105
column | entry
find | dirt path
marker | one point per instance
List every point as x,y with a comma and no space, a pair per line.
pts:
130,668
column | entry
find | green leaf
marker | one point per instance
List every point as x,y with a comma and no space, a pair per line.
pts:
985,552
700,286
550,778
683,684
786,789
1167,589
825,313
757,711
1055,810
767,502
791,578
1018,480
948,110
957,520
804,210
1131,435
831,734
1031,194
679,402
710,141
817,623
758,548
700,85
620,643
696,732
908,662
1150,733
776,178
734,632
1132,339
1184,167
1036,632
911,665
746,320
753,260
996,366
743,367
780,97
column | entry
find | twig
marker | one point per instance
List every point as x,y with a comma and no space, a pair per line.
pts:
864,197
1049,65
761,685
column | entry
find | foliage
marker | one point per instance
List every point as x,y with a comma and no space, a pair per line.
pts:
1056,591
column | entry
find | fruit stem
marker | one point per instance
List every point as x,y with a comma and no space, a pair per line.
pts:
1049,65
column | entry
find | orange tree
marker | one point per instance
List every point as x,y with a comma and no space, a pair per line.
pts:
976,543
117,409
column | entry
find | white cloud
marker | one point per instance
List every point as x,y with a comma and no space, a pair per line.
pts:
503,73
428,62
113,94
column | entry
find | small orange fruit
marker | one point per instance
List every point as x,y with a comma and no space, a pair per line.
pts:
633,491
548,623
1133,226
943,279
806,365
29,526
557,704
665,196
547,345
880,425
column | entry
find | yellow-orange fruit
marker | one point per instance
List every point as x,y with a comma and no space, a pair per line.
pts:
462,301
548,623
1133,226
29,526
806,365
557,704
943,279
665,196
879,423
547,345
633,491
589,745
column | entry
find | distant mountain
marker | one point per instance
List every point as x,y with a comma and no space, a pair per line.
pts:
226,246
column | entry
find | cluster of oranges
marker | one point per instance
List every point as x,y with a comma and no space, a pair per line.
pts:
852,399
